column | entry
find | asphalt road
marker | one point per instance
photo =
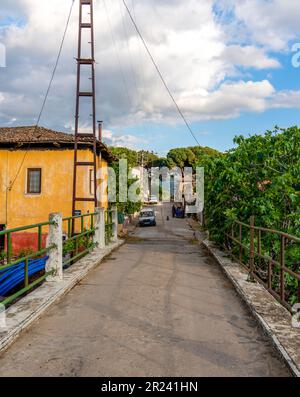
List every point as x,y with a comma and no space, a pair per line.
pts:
159,306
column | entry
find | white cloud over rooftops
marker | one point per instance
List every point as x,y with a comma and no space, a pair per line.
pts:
199,53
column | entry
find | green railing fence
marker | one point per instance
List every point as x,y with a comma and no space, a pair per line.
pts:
271,257
109,225
79,231
79,239
10,259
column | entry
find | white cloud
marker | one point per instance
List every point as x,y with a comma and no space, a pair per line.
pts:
116,140
230,100
271,23
196,52
249,56
286,99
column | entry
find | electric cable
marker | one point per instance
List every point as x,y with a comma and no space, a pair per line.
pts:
46,95
160,74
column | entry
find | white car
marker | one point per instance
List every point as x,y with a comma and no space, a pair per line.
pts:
153,200
147,218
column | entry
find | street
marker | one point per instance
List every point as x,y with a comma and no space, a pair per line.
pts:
159,306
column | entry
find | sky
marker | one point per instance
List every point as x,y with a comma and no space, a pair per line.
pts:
232,65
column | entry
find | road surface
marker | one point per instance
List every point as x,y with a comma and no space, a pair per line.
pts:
159,306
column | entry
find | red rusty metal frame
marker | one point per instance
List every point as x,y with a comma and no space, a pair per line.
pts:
80,137
255,251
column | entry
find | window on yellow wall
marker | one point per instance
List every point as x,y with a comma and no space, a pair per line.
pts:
91,182
34,181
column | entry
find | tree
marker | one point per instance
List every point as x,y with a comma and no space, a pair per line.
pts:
191,156
260,177
128,208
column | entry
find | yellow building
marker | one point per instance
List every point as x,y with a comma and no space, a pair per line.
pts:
36,175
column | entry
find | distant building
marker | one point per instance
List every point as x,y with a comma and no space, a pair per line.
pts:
36,177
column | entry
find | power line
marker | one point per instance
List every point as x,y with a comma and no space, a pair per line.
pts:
46,95
117,54
160,74
125,79
126,35
56,63
132,74
140,63
141,69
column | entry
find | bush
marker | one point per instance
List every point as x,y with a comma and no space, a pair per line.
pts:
260,177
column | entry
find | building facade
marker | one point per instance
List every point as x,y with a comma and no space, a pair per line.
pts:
36,177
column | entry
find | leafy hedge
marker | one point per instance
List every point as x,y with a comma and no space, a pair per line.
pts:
260,177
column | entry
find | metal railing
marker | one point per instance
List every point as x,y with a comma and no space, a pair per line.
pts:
22,272
80,231
109,225
13,262
271,257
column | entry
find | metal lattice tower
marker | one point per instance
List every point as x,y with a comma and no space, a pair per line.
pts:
89,64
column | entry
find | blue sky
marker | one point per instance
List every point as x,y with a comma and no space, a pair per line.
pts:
228,64
219,134
216,134
9,20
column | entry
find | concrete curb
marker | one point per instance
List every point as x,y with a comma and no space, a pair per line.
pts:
274,319
20,316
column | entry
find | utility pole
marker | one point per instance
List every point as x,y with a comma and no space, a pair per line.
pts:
85,8
142,179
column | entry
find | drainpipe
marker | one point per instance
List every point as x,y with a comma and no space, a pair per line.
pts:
6,193
100,137
100,126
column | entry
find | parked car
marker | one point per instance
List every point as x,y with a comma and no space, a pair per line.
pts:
147,218
153,200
